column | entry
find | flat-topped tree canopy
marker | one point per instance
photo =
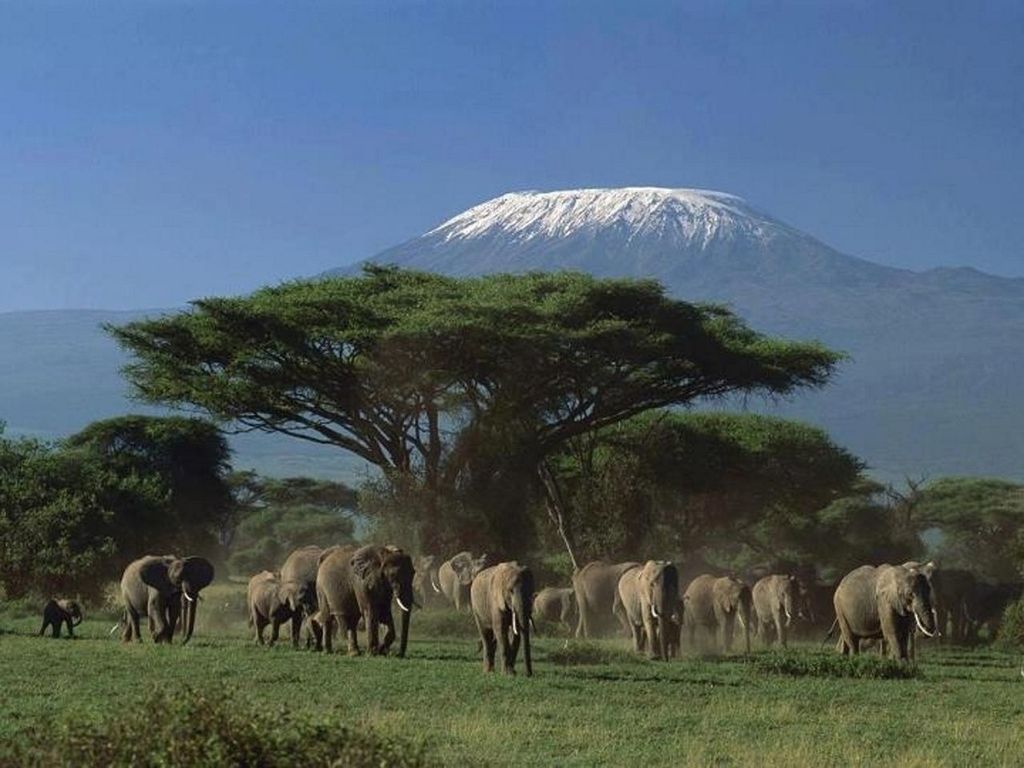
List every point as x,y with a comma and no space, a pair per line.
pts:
394,365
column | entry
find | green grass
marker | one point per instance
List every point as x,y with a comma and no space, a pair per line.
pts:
588,704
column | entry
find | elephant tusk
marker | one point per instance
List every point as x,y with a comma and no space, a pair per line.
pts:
401,604
920,626
515,626
114,629
434,584
654,611
187,597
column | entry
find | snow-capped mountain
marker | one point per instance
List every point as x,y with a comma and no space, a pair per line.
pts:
935,378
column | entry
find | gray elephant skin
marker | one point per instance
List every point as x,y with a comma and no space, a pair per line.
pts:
884,602
716,603
556,605
354,583
425,582
275,602
649,594
456,574
164,588
596,585
58,613
777,601
301,566
501,598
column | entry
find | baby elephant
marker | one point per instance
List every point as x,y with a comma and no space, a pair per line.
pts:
57,612
274,602
557,605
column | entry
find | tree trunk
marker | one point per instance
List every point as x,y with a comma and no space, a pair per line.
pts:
556,510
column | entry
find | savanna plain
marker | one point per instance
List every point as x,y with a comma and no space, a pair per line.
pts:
588,703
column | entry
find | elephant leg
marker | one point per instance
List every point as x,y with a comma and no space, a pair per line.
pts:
780,629
514,652
326,635
619,612
70,626
651,638
389,634
261,624
42,630
490,648
850,643
638,640
275,631
372,633
503,643
891,637
351,635
296,628
583,621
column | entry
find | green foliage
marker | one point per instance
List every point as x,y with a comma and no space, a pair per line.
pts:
686,482
276,516
803,664
71,515
165,481
982,524
56,535
200,729
1011,628
410,371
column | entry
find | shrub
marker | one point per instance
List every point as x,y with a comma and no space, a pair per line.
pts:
199,729
834,665
1011,630
591,653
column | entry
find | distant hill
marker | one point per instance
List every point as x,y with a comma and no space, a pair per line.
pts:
935,384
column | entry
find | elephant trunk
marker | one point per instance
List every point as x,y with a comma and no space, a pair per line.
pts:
527,657
189,618
403,638
663,630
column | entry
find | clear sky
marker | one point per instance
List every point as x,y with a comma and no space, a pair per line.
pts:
152,152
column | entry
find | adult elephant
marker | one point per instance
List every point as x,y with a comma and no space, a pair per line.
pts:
501,598
354,583
884,602
425,582
649,595
164,588
557,605
273,601
456,574
776,600
716,603
301,566
597,596
953,589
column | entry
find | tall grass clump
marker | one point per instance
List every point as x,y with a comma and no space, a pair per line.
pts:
591,653
1011,629
198,729
864,666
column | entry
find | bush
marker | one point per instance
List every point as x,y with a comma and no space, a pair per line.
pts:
198,729
592,653
834,665
1011,630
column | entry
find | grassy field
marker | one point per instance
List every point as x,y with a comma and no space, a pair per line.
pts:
966,707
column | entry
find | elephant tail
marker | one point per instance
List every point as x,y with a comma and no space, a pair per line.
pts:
831,631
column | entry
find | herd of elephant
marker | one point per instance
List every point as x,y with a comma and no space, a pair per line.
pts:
354,588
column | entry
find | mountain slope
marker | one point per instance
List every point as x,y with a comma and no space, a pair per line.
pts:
936,375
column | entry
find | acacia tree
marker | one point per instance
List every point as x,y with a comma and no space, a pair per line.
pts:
411,370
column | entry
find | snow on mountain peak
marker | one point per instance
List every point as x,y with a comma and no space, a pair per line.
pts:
691,216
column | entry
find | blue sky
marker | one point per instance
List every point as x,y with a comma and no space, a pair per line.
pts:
154,152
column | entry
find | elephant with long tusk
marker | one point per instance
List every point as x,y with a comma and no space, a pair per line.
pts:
885,602
776,598
501,598
649,595
165,588
361,583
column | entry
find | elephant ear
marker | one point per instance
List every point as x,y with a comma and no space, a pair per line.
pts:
155,573
928,569
366,564
197,571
